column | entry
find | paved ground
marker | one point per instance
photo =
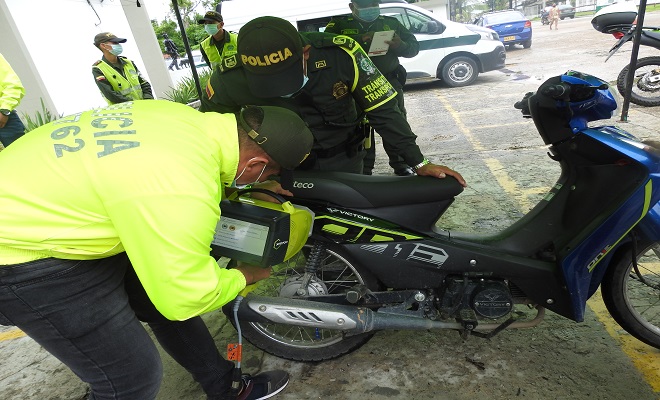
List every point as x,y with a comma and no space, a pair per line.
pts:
476,130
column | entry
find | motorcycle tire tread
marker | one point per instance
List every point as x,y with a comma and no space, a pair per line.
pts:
634,98
614,296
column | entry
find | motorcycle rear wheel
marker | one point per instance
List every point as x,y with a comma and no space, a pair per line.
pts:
336,274
643,93
632,298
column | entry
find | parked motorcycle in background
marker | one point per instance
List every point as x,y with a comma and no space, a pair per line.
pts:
619,20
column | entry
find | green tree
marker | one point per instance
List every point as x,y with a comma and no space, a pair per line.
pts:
189,17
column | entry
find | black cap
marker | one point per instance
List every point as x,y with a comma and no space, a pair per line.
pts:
210,17
271,51
282,134
107,37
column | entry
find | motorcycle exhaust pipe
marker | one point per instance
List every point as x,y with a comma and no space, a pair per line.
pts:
352,319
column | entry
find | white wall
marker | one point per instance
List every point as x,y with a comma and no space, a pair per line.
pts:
58,37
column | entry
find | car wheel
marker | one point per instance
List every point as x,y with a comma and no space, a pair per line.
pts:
527,44
562,18
459,71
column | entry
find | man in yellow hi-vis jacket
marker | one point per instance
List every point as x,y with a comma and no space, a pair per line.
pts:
117,77
112,215
11,93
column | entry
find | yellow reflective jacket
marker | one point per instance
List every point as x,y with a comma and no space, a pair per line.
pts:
11,88
144,177
229,48
129,85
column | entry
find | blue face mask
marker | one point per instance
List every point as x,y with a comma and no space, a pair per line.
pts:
305,79
211,29
116,49
367,14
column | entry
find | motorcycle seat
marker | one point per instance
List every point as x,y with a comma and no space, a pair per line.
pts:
370,191
650,38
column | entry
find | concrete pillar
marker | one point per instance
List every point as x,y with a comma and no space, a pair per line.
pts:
13,48
149,48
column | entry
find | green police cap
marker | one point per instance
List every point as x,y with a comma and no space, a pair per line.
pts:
107,37
365,3
271,51
210,17
282,134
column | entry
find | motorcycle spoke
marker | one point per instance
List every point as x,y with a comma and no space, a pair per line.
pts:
643,292
333,275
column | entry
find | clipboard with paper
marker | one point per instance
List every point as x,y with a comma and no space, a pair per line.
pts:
378,43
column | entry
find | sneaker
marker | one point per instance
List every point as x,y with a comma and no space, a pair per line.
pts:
264,385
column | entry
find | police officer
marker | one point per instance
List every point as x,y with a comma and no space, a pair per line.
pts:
361,25
11,93
109,217
220,44
329,81
117,77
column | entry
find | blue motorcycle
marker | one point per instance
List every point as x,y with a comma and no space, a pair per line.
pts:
376,260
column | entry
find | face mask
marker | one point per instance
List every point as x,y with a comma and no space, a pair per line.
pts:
242,172
305,79
116,49
367,14
211,29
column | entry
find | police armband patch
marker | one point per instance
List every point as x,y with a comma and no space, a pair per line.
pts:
337,41
229,62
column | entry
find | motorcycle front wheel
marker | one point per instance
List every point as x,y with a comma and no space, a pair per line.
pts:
632,293
646,82
336,274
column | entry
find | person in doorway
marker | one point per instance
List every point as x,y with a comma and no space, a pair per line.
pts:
326,79
221,45
117,77
360,25
172,51
553,15
111,223
11,93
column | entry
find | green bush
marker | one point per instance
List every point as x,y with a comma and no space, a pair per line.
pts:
40,118
186,91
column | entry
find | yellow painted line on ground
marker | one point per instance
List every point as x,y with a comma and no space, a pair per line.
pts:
11,334
645,358
496,168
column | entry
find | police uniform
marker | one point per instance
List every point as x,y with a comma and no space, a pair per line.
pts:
214,51
343,86
11,93
120,83
388,64
101,198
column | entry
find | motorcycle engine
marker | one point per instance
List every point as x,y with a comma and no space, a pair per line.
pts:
488,298
492,300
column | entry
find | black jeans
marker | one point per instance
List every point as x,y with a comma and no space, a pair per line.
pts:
86,314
